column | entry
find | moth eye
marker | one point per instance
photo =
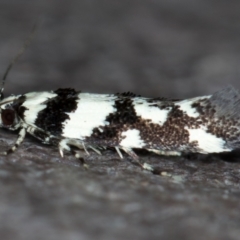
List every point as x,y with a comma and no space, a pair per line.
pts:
8,116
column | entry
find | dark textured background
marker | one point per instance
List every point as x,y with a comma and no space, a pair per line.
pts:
155,48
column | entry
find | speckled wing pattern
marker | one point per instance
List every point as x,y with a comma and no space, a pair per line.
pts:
203,124
67,118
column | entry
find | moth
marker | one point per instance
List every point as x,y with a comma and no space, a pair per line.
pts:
75,121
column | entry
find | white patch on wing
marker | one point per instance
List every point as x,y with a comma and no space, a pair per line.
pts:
91,112
34,103
132,139
186,106
207,142
146,111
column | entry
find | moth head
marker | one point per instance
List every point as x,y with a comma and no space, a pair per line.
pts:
8,114
8,117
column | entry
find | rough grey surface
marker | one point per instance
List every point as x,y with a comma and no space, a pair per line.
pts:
155,48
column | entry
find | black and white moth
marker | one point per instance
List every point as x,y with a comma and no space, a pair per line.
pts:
73,120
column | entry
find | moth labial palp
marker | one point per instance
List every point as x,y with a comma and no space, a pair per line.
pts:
73,120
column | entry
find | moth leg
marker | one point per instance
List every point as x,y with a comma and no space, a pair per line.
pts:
134,156
85,149
62,145
21,136
80,158
67,144
95,150
119,152
81,145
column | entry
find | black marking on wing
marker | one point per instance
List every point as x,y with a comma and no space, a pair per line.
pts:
125,113
124,116
52,117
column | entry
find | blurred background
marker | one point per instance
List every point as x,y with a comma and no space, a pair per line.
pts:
155,48
170,48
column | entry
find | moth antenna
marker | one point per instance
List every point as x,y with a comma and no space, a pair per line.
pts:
20,52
